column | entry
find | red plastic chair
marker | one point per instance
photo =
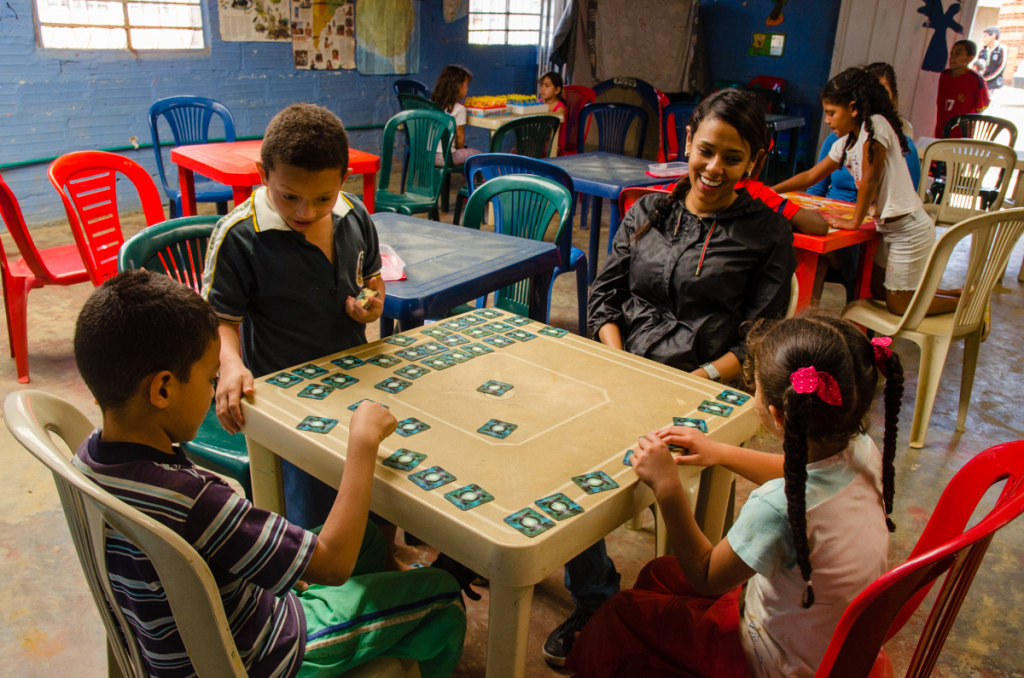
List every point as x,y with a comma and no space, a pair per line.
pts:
576,97
881,610
768,82
630,195
86,183
35,268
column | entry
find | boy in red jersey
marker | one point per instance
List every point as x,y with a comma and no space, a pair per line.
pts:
961,90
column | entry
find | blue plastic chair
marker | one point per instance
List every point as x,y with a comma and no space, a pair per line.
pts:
178,248
680,113
804,144
613,124
523,207
408,86
487,166
189,119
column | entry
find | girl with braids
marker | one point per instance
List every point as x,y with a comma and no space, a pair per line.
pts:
451,88
686,270
871,144
821,515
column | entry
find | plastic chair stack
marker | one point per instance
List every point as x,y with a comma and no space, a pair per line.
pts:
185,578
992,238
409,86
34,268
189,118
967,162
576,97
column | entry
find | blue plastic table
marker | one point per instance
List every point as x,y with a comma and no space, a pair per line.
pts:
604,175
450,265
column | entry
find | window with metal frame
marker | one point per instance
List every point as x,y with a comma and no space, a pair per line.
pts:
504,22
120,24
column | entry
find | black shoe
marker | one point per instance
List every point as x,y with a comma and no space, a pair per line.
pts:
559,643
462,574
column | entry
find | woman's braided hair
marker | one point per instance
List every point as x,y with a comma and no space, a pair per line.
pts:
867,96
777,349
734,107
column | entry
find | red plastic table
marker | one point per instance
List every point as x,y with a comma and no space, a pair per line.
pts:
234,164
809,247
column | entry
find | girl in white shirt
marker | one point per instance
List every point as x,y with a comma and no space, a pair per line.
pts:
451,88
871,145
822,510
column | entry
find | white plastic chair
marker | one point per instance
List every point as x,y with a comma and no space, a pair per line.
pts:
993,236
967,163
32,416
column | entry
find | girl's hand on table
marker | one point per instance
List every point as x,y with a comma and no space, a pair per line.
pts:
702,451
374,311
655,465
845,224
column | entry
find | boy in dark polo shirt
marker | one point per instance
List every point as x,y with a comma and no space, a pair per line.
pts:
148,349
287,265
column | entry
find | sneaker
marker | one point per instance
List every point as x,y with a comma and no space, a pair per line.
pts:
559,643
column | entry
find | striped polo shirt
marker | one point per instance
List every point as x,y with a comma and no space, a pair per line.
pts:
255,556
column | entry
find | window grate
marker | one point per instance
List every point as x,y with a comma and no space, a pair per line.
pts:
120,24
504,22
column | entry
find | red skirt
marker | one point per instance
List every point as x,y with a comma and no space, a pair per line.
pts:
662,628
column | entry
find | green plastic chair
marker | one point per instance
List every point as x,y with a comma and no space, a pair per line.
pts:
413,102
425,130
524,206
178,248
530,137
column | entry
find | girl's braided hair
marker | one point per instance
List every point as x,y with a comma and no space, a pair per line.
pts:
777,349
737,109
446,91
882,69
864,95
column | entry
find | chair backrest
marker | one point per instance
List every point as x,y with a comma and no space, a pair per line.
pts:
768,82
531,136
630,195
882,608
524,207
176,247
415,102
486,166
967,163
12,218
643,94
770,99
613,127
425,131
189,119
576,97
86,182
191,590
409,86
993,236
981,127
675,117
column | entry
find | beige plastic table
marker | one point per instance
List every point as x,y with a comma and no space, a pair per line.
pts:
579,407
493,122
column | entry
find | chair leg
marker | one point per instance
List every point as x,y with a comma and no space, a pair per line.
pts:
581,294
446,188
1020,275
459,202
972,342
222,207
173,210
584,211
433,214
933,357
17,324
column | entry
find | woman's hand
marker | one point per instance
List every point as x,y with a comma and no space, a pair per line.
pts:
701,450
655,465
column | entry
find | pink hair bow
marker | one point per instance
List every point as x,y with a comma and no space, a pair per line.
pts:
882,351
810,380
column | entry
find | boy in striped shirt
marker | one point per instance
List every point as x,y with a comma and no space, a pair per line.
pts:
148,349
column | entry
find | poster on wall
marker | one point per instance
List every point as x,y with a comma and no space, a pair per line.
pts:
455,10
323,34
388,37
253,20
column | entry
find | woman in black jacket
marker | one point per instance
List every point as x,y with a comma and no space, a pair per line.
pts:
686,271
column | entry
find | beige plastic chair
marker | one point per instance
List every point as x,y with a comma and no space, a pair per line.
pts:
967,163
993,237
32,416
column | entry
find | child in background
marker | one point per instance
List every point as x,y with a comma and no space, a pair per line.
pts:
149,351
550,92
961,90
822,509
451,88
871,145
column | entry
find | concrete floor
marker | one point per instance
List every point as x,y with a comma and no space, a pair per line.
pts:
48,625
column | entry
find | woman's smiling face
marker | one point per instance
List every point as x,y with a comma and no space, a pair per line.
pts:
719,157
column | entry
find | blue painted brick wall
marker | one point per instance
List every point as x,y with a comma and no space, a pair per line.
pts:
56,101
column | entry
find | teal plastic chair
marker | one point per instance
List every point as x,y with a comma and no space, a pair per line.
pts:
528,137
413,102
524,206
425,130
178,248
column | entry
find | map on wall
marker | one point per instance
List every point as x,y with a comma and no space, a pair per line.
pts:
322,34
253,20
388,37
